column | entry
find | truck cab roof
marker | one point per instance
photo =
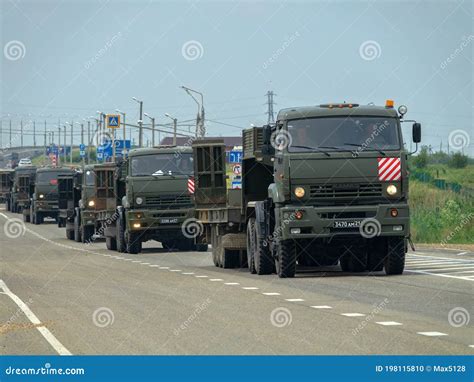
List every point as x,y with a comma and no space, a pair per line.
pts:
336,110
163,149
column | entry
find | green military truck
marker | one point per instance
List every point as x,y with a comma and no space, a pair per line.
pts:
69,194
6,183
149,197
22,189
326,184
44,200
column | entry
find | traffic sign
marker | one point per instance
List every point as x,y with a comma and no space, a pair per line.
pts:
82,147
237,169
235,157
237,185
113,121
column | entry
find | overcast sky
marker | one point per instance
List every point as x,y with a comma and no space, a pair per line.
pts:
67,59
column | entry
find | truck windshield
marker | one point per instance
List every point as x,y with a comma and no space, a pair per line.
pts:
338,133
162,164
47,177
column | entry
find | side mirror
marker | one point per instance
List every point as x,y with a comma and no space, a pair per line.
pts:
416,132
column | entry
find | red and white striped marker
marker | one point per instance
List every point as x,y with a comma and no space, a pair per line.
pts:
191,185
389,169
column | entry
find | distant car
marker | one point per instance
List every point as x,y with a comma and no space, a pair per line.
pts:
24,162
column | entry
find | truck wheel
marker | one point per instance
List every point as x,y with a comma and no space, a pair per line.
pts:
201,247
251,245
77,229
70,234
216,245
26,216
111,243
264,264
38,218
286,258
133,243
86,233
120,235
395,260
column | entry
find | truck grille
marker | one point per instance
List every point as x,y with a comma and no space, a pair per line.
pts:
169,201
345,191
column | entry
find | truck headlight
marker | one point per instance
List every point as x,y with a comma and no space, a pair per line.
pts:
139,200
41,196
391,189
299,192
91,203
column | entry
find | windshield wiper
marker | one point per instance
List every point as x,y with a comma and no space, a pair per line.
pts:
367,147
312,149
336,148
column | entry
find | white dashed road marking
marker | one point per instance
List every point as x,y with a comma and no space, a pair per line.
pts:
389,323
294,299
321,307
353,314
216,280
271,294
249,288
432,334
232,283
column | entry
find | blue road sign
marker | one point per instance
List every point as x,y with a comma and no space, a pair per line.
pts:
113,121
236,185
82,147
106,149
235,157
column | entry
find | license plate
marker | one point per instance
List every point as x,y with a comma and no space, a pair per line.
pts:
169,221
347,224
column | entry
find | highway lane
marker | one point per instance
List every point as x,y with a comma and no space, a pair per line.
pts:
94,301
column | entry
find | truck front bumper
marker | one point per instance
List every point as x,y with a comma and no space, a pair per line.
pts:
45,206
88,217
157,220
326,222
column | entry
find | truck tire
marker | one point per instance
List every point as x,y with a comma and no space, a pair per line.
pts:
231,244
216,246
395,260
251,245
26,216
38,218
264,263
119,227
86,233
133,243
77,229
286,258
111,243
70,234
201,247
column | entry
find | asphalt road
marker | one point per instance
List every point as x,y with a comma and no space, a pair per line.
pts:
58,296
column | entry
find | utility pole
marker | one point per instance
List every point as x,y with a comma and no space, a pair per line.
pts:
1,134
59,147
200,119
270,103
88,142
65,144
21,133
175,127
10,133
124,148
152,119
72,141
140,122
34,133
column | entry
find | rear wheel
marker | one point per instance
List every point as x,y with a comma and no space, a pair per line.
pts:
70,234
264,264
251,245
286,258
86,233
111,243
395,259
38,218
26,216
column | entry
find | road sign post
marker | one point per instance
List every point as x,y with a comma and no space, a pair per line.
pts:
113,122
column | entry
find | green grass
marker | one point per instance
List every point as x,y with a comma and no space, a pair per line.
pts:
463,176
439,216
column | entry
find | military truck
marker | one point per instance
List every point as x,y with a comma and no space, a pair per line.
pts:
22,188
69,194
6,182
326,184
44,200
148,198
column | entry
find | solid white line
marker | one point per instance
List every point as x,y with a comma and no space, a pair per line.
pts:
271,294
440,275
389,323
294,299
321,306
249,288
437,258
53,341
432,334
437,264
447,269
353,314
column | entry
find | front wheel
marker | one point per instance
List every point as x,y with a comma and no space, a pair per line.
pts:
77,229
395,260
87,231
133,243
120,232
286,258
111,243
251,245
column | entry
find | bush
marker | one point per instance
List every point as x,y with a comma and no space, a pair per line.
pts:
421,160
458,160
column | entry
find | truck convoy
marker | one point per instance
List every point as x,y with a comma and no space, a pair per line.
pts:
325,184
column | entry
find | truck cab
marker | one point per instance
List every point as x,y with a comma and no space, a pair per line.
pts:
45,198
6,183
156,200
